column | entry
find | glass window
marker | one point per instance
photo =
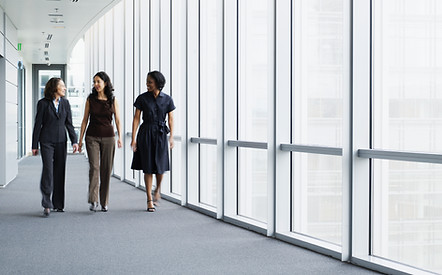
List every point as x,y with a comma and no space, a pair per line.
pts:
406,116
75,84
317,196
254,69
211,72
319,73
118,81
407,213
207,174
177,89
210,66
407,76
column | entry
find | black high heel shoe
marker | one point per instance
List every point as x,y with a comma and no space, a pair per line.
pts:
150,209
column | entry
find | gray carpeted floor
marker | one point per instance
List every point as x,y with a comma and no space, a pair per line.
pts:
128,240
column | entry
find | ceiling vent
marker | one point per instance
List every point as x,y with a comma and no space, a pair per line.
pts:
56,17
49,37
47,45
56,21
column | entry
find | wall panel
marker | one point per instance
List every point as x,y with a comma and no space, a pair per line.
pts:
2,45
10,32
8,102
11,53
11,74
11,95
2,22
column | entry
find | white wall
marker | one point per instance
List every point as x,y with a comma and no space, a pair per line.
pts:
8,101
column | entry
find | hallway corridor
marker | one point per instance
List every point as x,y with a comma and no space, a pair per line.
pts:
128,240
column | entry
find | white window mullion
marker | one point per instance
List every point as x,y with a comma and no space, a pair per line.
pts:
282,120
361,67
230,103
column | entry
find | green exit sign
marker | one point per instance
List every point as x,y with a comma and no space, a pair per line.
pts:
19,46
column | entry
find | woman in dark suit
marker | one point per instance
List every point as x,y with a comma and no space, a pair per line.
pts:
51,121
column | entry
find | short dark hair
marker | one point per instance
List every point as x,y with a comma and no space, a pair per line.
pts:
51,87
159,79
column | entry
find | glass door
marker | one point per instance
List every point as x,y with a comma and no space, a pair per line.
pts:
40,75
43,78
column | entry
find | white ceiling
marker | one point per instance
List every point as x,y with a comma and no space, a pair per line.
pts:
36,19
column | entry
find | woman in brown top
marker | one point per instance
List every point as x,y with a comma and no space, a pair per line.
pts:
100,138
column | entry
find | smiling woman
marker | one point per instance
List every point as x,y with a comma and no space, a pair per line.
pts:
52,120
100,109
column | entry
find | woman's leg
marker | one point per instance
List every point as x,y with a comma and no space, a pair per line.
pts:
93,153
148,181
107,153
59,175
157,192
47,180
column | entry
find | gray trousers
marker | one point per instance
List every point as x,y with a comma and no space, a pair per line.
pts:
100,151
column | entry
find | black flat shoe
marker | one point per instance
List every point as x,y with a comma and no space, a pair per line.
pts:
46,212
58,210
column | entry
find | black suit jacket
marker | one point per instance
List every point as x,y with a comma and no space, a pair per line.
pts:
50,126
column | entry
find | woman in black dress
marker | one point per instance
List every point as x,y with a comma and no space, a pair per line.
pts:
151,154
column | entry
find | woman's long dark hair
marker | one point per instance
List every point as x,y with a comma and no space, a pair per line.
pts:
51,88
108,89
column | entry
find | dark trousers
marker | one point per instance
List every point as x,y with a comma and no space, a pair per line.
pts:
53,156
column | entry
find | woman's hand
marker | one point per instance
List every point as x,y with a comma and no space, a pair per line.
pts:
171,142
80,147
119,143
75,148
133,144
34,152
